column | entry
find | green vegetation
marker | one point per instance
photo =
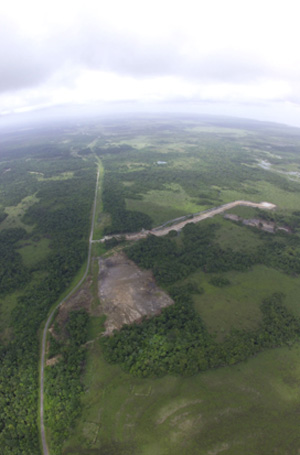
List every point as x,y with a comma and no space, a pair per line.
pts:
43,243
63,387
223,253
178,342
238,409
122,220
34,251
227,281
13,274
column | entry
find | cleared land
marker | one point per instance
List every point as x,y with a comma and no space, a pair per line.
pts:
127,293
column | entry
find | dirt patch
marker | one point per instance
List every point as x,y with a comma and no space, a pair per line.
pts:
267,226
219,448
53,360
127,293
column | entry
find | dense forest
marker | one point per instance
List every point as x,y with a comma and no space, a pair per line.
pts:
62,215
63,385
13,273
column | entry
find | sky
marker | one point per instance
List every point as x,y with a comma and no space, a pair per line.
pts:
233,57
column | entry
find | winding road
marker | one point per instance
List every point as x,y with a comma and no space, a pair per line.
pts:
48,322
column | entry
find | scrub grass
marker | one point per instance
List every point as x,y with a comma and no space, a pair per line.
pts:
32,252
237,305
15,214
164,205
101,219
63,176
265,191
230,410
236,237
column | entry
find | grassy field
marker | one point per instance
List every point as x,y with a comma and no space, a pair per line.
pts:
101,219
15,214
232,235
237,305
166,204
34,251
266,192
236,410
62,176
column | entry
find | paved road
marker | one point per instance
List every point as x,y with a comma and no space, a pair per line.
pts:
162,230
48,322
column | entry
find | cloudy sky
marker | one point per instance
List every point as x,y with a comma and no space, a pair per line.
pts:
233,57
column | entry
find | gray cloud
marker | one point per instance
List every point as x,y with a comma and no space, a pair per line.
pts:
106,49
22,63
25,62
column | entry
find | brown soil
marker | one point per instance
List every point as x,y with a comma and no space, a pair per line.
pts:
267,226
53,360
127,293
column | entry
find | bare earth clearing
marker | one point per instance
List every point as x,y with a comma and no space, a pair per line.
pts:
127,293
267,226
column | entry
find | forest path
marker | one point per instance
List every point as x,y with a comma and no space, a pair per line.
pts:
162,230
48,322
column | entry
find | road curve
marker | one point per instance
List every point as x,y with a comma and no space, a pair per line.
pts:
48,322
162,230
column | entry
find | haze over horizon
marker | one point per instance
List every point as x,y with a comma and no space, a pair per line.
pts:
223,58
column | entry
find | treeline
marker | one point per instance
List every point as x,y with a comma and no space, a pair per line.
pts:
177,341
171,261
63,215
63,386
3,215
122,220
290,219
13,274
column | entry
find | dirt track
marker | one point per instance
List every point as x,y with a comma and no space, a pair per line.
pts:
195,219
